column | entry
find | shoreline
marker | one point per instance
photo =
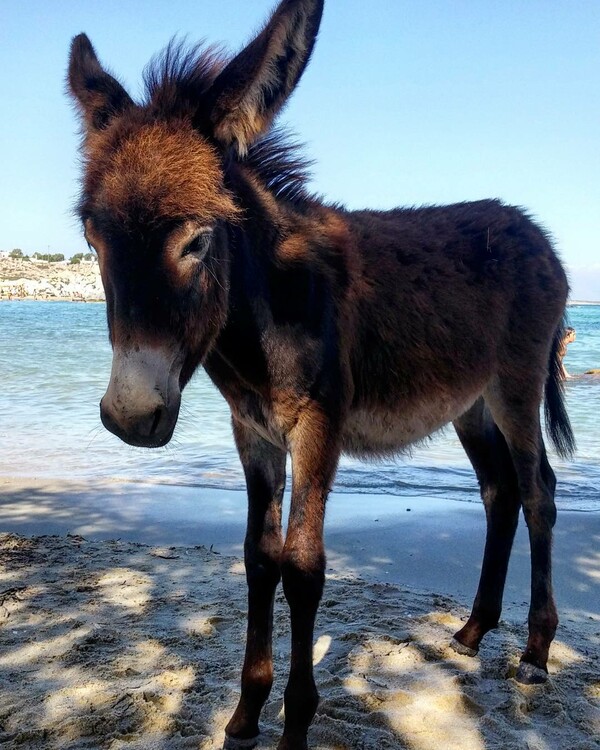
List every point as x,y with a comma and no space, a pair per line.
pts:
91,301
429,543
574,303
43,281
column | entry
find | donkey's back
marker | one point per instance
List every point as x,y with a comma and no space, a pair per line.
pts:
452,302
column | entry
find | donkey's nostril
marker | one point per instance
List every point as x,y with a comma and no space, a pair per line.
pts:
158,415
106,418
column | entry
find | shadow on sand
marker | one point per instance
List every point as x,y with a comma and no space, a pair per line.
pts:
120,645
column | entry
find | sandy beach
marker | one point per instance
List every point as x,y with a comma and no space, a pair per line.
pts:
122,617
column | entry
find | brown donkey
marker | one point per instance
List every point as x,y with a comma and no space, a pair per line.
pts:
327,331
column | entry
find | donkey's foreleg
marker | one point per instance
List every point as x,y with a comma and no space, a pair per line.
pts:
264,467
314,459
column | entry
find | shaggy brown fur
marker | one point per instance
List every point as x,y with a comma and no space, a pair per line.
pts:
326,331
158,170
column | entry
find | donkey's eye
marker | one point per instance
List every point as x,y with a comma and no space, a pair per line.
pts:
199,246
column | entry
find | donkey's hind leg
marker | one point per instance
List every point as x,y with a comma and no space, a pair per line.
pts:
490,456
515,409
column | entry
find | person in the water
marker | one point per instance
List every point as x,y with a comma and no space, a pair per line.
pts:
569,337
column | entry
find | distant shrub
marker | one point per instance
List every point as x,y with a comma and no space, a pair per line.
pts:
51,258
16,253
78,257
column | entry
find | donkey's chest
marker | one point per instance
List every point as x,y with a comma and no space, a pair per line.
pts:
384,431
260,416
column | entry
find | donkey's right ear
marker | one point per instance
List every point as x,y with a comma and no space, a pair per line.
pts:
100,96
251,90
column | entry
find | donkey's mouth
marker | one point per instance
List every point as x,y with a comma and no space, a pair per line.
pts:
151,430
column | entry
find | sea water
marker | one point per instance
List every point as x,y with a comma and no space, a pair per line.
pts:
55,362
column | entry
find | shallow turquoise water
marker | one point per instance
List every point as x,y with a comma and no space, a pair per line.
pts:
55,361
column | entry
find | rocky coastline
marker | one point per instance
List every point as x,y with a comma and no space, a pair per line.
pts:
42,280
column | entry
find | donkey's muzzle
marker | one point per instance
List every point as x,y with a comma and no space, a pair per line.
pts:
141,404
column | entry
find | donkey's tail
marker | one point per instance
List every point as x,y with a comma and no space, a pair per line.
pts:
558,425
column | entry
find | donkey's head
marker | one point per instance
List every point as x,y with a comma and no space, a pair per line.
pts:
156,207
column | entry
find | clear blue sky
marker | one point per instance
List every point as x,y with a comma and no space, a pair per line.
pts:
405,102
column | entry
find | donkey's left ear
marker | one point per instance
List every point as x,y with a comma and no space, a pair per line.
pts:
100,96
255,85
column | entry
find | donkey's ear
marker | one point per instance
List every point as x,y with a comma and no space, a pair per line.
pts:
254,86
99,95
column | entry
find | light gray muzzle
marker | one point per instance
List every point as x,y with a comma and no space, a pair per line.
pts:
141,403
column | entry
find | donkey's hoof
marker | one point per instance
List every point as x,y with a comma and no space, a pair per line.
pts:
232,743
460,648
529,674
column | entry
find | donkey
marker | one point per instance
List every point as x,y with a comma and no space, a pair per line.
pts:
327,331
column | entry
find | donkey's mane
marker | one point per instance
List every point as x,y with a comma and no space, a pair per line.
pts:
178,80
280,165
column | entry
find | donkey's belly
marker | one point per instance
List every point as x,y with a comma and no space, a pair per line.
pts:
380,431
